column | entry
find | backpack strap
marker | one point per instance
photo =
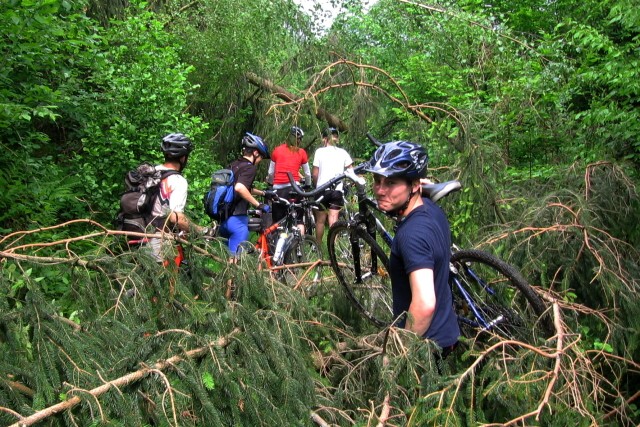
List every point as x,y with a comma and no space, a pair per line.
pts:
168,173
158,223
236,170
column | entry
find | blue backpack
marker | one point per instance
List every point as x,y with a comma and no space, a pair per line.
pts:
219,200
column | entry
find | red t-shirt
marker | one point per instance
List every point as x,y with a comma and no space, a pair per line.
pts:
287,161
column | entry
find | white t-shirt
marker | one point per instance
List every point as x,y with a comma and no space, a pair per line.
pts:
173,194
331,161
173,198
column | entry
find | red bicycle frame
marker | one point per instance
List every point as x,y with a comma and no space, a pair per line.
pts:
262,244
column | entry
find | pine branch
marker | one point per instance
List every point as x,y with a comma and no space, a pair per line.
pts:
123,381
289,97
19,387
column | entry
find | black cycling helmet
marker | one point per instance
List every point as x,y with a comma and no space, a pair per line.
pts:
399,159
254,141
176,145
297,132
330,131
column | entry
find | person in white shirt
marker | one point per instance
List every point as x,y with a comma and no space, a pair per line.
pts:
168,208
328,162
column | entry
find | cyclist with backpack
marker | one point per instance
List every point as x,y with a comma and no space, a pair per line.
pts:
420,252
168,208
288,157
236,227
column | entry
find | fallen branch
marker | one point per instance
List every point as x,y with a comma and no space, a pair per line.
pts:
386,403
19,387
11,252
318,420
122,381
289,97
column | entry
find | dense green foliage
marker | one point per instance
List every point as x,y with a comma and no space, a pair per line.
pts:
532,105
81,105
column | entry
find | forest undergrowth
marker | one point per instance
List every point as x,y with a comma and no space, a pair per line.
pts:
92,333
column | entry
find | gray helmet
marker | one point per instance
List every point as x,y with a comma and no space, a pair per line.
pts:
176,145
254,141
402,159
297,132
330,131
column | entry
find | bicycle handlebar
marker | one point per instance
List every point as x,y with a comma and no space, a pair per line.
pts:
349,173
373,140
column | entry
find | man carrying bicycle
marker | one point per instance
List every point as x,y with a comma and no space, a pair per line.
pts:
420,253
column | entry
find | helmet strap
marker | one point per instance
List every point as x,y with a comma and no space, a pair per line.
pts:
253,156
183,162
400,211
405,205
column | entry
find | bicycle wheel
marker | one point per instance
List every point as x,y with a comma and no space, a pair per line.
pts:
362,269
491,295
303,250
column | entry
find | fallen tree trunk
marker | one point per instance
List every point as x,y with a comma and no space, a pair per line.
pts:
287,96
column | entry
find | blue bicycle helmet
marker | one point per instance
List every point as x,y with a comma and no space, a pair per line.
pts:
399,159
254,141
297,132
176,145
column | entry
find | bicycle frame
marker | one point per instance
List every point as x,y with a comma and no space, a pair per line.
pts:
287,223
482,323
262,244
365,217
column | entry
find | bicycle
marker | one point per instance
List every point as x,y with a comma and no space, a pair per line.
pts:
283,247
488,294
308,206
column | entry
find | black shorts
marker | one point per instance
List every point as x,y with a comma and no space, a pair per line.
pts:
333,199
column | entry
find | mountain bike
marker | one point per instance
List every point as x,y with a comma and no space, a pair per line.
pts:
489,295
283,248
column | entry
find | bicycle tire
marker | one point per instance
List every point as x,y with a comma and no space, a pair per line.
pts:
512,307
369,289
304,249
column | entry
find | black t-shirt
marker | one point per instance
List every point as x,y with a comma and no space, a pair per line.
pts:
245,173
423,240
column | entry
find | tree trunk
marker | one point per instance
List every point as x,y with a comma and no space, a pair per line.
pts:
287,96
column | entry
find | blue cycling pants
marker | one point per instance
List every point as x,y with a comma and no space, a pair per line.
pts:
236,230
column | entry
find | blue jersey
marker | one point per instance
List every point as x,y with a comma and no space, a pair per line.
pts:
423,240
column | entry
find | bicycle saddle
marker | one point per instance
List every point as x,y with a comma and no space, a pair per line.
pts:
437,191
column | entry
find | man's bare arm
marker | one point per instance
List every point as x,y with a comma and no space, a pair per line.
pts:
423,301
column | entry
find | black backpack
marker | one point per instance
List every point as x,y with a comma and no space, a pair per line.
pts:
142,187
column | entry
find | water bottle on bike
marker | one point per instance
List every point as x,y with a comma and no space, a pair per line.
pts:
277,255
